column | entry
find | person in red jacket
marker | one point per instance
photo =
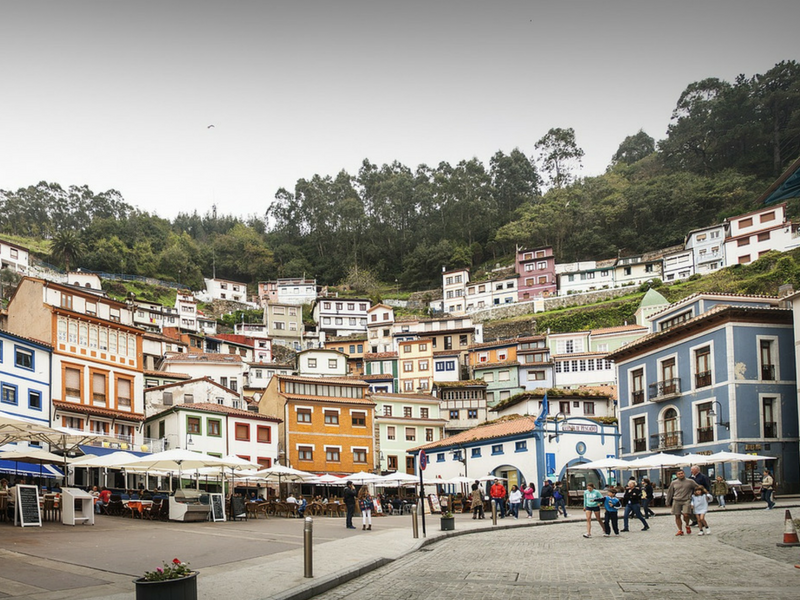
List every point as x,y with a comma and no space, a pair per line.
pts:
498,495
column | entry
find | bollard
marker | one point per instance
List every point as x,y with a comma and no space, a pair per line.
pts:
494,512
414,522
308,530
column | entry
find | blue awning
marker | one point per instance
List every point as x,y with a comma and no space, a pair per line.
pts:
102,451
28,469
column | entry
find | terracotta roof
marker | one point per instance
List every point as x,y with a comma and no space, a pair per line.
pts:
447,352
326,380
167,374
700,295
26,339
619,329
382,396
197,358
195,380
502,427
378,377
96,411
272,365
380,355
329,399
579,355
494,344
582,392
234,338
228,410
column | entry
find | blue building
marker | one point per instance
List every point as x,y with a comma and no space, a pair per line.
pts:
717,372
25,377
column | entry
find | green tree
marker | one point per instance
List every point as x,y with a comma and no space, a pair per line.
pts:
559,156
67,247
634,148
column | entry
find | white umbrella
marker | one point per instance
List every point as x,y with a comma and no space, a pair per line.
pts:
363,477
281,472
656,461
725,457
33,455
697,459
176,459
327,479
490,478
397,478
603,463
113,460
459,479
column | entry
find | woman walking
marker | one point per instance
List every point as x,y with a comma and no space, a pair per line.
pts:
528,495
514,500
720,489
365,504
647,498
477,501
767,487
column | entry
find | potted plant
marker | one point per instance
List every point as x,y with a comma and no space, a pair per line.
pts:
448,521
173,581
548,513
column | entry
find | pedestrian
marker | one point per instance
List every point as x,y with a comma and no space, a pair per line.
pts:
528,496
547,493
477,501
699,478
365,504
720,489
679,495
632,498
498,494
591,506
611,504
767,488
647,498
700,501
558,498
514,500
350,504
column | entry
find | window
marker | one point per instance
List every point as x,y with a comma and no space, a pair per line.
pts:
214,427
124,392
588,408
263,434
743,260
472,413
705,423
332,454
639,435
312,363
166,398
332,363
746,222
331,417
99,388
9,393
359,419
305,453
411,434
408,386
503,376
488,376
453,414
391,463
23,359
66,301
390,432
35,400
702,367
407,411
766,352
424,413
359,455
497,449
743,242
387,410
72,383
193,425
242,432
521,446
423,365
408,366
304,415
564,407
763,237
428,434
536,375
768,417
406,348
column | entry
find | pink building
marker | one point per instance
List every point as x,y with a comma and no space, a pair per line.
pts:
537,273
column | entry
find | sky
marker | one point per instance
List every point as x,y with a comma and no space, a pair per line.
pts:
123,95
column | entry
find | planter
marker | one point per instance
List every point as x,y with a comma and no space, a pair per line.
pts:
448,523
548,515
184,588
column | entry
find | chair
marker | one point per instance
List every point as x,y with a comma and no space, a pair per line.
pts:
252,509
757,492
115,506
163,514
51,510
262,508
3,507
152,511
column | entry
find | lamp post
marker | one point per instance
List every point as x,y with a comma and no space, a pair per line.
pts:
555,419
718,415
461,456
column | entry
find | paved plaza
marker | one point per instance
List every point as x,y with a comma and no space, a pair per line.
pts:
263,559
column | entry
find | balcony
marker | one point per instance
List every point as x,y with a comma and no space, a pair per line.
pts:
768,372
666,440
637,397
640,445
770,430
665,390
702,379
705,434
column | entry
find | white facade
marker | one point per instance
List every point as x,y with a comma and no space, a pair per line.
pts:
756,233
446,366
25,377
380,326
576,281
13,257
321,362
192,391
225,369
634,271
708,248
453,291
148,315
486,294
186,306
342,316
290,290
223,289
85,280
678,266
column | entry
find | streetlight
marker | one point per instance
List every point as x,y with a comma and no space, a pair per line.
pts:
555,436
461,456
718,414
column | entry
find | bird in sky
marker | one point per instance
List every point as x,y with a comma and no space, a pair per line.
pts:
210,126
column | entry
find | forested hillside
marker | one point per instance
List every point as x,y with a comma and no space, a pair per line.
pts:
726,142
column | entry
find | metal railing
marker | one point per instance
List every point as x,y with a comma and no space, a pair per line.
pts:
662,390
637,397
666,440
705,434
768,372
702,379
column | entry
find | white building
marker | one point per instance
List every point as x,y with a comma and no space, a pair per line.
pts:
224,289
678,265
380,328
202,390
321,362
13,257
342,316
291,290
755,233
585,276
186,305
225,369
708,248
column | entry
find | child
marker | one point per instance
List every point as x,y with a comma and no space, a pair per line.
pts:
700,507
611,504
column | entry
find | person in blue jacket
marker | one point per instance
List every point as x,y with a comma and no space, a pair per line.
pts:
611,503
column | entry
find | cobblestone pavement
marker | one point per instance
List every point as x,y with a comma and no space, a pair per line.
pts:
739,559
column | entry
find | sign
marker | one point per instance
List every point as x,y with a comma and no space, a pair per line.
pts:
217,507
433,501
26,508
580,428
423,460
237,508
752,447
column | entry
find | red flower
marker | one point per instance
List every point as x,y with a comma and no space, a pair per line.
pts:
176,561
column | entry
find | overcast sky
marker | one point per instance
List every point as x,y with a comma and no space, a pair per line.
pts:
120,95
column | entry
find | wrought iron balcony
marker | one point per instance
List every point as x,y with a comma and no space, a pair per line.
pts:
640,445
768,372
664,390
705,434
702,379
637,397
770,430
666,440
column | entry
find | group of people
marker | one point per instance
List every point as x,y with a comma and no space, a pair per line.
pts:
365,504
689,498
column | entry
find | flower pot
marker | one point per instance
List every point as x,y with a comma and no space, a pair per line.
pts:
548,515
448,523
184,588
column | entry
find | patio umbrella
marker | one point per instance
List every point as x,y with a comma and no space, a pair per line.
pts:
279,473
490,478
656,461
363,477
697,459
603,463
176,459
397,479
36,456
731,457
234,463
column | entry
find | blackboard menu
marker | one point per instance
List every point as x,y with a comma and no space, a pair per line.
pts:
237,508
217,507
26,511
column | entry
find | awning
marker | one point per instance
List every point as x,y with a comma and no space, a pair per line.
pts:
29,470
102,451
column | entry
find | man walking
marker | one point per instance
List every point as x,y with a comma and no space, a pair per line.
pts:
632,498
679,495
350,503
498,494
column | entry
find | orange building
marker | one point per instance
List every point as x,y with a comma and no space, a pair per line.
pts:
327,423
